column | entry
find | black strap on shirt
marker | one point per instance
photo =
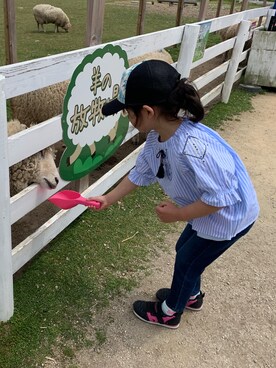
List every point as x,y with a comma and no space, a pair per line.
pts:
161,172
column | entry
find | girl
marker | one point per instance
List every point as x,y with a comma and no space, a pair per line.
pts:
206,180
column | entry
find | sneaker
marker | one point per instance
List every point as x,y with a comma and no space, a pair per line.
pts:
151,312
192,304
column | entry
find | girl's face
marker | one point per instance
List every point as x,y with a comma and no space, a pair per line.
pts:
144,121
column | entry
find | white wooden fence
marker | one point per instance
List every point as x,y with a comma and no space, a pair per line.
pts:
24,77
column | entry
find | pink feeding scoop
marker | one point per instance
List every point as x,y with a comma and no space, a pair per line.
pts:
69,198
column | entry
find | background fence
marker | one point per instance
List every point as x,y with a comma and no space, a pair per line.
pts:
20,78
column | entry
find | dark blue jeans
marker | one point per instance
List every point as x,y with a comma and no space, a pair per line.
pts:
193,255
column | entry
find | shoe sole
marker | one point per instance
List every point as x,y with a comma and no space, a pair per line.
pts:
155,323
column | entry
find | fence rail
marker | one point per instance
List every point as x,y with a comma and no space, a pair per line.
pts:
27,76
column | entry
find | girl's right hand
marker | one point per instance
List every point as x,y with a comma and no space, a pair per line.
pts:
120,191
102,200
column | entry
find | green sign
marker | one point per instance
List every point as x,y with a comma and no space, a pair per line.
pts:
90,137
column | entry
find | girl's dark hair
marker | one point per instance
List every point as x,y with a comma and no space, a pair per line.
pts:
184,98
183,101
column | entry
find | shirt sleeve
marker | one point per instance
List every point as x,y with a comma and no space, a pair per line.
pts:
142,174
214,172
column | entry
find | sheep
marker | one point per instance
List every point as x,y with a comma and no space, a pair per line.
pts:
226,34
231,31
39,168
157,55
45,13
42,104
39,105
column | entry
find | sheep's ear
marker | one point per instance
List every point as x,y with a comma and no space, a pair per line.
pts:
54,152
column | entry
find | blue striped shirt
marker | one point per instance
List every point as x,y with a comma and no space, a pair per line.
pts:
200,165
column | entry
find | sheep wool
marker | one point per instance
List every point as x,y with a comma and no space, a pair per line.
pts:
39,168
44,103
45,13
39,105
232,31
157,55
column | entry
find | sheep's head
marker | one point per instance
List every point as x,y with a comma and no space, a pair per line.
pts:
47,174
39,168
67,26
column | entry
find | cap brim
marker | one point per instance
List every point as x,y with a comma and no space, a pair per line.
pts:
112,107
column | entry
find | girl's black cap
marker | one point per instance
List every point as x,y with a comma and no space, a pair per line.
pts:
147,83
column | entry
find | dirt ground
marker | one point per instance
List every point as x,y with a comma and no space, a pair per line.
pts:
237,326
189,10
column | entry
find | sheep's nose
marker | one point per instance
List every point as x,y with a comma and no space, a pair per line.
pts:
50,184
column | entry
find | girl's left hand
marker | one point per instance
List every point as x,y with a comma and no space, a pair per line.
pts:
167,212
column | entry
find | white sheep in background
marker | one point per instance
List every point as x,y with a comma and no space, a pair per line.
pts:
232,31
226,34
157,55
39,168
45,13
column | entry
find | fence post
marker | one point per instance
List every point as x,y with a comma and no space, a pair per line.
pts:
219,6
187,49
10,31
94,23
141,17
6,273
234,61
203,10
180,7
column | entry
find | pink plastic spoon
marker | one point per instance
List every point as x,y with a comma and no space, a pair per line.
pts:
69,198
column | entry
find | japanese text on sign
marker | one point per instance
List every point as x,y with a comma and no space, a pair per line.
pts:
92,114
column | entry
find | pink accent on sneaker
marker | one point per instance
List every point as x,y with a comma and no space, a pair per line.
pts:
154,319
191,302
151,317
168,318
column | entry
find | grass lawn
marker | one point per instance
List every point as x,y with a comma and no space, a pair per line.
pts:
119,22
